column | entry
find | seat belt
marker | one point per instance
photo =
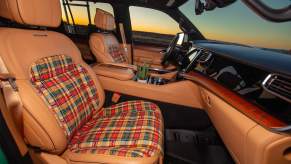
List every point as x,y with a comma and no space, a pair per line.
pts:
123,38
11,107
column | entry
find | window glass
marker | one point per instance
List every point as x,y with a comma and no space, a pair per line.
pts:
152,26
238,24
80,13
150,20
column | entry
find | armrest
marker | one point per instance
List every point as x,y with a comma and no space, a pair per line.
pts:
119,65
119,73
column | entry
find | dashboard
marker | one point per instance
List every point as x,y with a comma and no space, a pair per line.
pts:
259,76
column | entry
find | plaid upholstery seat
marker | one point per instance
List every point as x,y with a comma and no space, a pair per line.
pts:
67,89
129,129
116,54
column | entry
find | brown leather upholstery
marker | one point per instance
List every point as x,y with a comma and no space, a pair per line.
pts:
119,73
19,49
44,13
104,20
18,55
105,46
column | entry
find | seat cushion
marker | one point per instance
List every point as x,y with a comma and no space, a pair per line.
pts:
68,90
129,129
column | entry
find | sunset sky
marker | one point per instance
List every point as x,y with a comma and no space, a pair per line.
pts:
235,23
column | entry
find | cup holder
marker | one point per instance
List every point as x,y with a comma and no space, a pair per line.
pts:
154,80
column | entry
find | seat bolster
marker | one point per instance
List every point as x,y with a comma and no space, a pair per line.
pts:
99,49
97,83
78,158
40,126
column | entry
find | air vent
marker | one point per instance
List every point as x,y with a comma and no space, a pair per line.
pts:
204,56
278,85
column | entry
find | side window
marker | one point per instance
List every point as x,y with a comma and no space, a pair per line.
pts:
151,26
78,15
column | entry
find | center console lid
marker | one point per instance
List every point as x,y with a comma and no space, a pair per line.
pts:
116,72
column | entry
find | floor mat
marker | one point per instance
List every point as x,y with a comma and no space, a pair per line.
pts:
189,150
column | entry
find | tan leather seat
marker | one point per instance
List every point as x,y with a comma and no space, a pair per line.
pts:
62,97
104,45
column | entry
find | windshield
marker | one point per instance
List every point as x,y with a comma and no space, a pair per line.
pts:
238,24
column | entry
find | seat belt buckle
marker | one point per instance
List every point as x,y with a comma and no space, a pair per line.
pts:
13,84
10,79
115,97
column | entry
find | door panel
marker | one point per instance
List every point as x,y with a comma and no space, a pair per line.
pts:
152,31
147,54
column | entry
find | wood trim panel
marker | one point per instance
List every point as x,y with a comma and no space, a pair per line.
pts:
250,110
148,48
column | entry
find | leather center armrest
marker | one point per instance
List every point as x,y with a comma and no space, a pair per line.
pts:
120,73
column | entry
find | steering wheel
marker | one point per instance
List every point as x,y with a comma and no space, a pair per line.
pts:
168,54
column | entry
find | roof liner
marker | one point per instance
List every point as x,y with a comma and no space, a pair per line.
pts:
151,3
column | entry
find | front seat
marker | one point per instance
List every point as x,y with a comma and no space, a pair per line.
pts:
104,44
62,97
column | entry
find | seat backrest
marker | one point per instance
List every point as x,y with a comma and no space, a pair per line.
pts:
58,90
104,45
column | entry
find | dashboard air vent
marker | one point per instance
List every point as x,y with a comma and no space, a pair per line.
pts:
278,85
204,56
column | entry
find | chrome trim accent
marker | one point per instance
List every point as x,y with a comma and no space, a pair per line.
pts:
199,51
284,129
269,80
207,58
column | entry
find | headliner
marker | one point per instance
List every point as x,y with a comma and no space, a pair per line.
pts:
146,3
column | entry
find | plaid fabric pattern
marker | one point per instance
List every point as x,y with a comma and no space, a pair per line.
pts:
67,89
116,54
130,129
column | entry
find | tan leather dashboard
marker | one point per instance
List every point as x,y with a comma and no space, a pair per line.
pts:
240,104
247,141
243,127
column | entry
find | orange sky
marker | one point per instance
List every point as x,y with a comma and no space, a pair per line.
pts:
235,23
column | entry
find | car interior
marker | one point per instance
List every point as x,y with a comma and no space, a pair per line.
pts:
103,92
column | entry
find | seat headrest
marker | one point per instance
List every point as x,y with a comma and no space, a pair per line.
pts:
32,12
104,20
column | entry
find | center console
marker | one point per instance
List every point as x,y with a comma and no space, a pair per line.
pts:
161,85
156,76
